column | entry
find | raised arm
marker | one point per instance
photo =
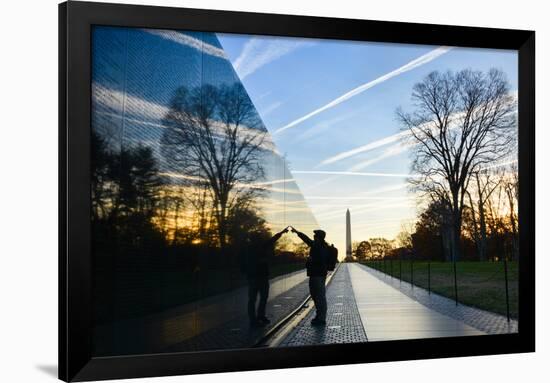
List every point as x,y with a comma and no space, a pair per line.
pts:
276,237
308,241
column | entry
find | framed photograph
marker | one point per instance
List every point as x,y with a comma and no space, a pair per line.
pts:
245,191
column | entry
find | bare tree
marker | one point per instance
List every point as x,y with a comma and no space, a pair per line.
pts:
460,123
101,189
404,237
510,183
485,185
214,136
171,200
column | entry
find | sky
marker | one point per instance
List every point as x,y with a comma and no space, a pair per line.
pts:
330,107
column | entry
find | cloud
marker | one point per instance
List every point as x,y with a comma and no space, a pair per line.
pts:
387,189
392,151
424,59
399,139
347,173
354,198
189,41
365,148
260,51
351,172
273,182
270,108
317,129
260,185
369,207
137,110
263,95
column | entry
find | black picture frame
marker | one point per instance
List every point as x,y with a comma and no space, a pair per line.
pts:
75,300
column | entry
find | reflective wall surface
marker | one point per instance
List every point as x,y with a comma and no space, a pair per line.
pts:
188,191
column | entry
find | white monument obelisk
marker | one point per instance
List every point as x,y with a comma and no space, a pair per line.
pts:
348,235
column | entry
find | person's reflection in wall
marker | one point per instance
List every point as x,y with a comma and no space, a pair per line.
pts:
255,264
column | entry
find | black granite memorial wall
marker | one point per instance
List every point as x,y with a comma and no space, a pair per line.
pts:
176,208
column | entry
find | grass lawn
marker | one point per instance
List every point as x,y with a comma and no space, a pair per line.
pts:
479,284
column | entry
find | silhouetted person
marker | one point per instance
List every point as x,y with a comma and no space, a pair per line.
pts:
257,273
317,269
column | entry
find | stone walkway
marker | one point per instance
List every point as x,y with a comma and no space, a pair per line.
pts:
482,320
343,320
365,304
388,314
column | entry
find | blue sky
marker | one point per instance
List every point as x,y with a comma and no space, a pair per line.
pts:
330,107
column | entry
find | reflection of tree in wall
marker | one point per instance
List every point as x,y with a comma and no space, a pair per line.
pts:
461,123
125,193
214,138
156,233
214,201
243,223
101,172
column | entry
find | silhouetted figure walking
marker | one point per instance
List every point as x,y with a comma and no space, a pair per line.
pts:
257,272
317,268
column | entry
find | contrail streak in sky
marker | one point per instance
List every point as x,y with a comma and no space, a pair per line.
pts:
424,59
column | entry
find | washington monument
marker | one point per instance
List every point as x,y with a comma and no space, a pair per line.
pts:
348,235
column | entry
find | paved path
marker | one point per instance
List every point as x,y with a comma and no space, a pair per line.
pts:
366,305
388,314
343,320
488,322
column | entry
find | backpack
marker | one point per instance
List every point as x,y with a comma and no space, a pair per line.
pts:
332,259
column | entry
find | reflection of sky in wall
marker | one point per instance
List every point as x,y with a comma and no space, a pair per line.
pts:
301,89
135,74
